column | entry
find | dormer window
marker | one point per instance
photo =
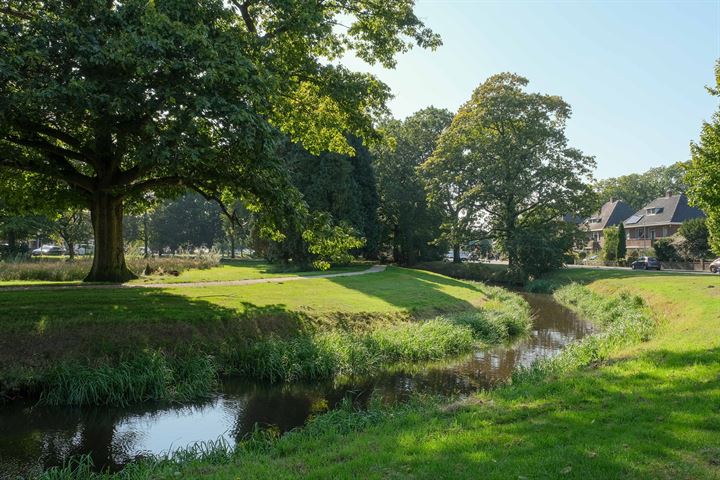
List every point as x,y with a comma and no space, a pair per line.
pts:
596,220
653,211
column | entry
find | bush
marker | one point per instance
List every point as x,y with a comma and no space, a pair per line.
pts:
665,250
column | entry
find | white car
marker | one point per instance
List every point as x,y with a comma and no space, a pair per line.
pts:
450,256
49,250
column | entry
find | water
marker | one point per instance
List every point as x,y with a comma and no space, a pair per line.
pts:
33,439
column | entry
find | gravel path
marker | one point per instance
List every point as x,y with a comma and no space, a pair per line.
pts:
227,283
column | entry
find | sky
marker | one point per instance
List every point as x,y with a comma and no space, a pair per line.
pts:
634,72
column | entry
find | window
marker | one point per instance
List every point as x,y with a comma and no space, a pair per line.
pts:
665,231
654,210
641,234
652,234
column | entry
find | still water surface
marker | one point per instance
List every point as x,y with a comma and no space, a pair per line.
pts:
35,438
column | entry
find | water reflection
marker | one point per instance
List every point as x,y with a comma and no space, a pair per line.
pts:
33,439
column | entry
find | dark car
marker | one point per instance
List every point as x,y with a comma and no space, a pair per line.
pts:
646,263
715,266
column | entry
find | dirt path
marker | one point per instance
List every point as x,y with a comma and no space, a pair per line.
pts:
226,283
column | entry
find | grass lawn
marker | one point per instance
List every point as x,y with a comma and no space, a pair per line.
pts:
651,412
241,270
395,290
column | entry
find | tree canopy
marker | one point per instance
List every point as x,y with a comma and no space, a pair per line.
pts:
638,189
410,223
518,174
113,99
703,172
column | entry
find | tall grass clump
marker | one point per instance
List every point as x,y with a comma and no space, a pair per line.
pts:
142,377
328,354
623,318
61,270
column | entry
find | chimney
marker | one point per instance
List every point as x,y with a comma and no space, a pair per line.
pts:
669,193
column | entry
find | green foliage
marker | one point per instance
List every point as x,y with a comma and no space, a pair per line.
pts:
189,220
541,247
665,250
330,243
343,186
638,189
693,243
481,272
621,249
142,377
410,223
610,246
332,353
111,102
703,173
508,150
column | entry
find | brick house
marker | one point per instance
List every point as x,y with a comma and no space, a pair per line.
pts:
612,213
658,219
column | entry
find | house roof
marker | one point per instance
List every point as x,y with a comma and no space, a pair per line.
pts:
668,209
610,214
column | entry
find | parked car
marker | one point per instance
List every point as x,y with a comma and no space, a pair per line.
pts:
450,256
715,266
646,263
49,250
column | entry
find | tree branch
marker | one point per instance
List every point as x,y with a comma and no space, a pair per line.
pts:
153,183
245,13
63,171
48,148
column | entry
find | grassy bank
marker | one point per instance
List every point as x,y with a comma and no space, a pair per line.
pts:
118,346
203,268
618,408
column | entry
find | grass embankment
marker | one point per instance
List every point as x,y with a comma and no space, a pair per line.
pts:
95,346
634,410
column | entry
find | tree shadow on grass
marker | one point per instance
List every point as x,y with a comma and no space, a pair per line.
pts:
416,291
42,327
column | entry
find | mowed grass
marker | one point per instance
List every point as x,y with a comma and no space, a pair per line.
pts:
231,270
395,290
651,411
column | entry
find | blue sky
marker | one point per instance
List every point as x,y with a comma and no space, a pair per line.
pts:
633,72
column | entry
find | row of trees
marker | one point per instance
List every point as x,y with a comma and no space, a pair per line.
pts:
103,102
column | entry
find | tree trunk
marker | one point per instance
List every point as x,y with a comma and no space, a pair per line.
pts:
232,243
70,249
109,259
12,241
145,234
456,253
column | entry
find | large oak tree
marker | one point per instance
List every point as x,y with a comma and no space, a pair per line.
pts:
114,98
506,160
